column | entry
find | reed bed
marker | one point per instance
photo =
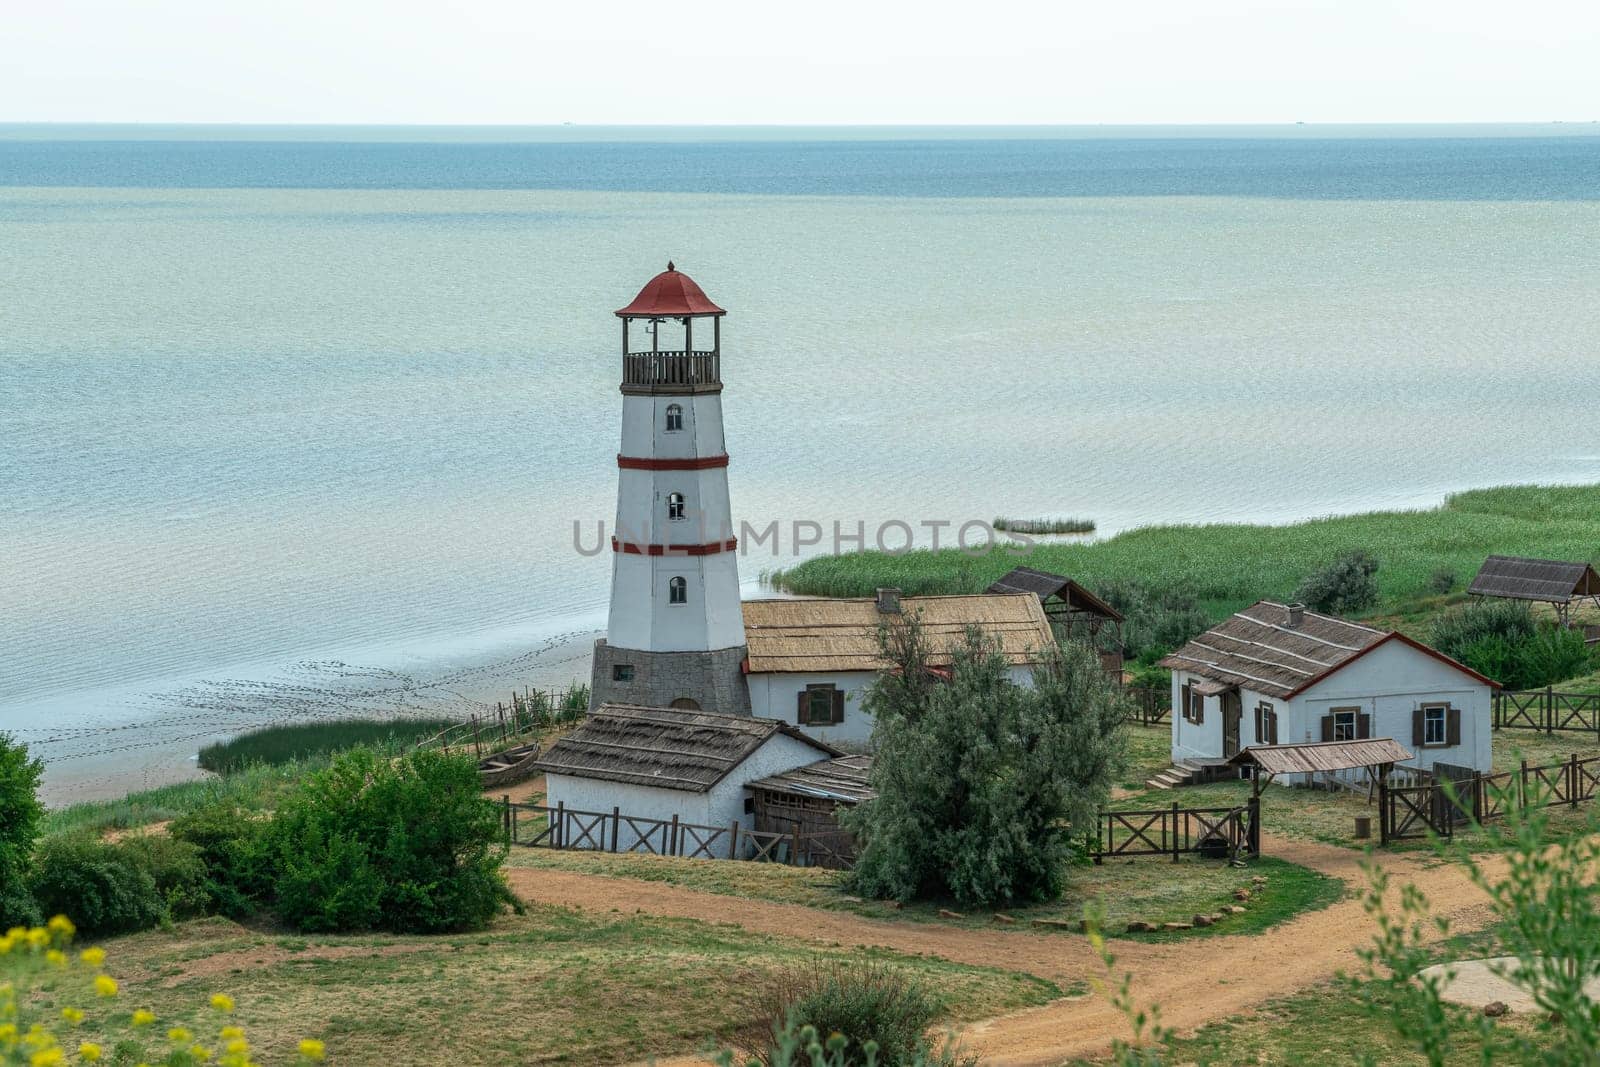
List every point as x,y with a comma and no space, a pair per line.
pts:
1044,527
276,745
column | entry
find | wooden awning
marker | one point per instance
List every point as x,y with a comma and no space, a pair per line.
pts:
1212,689
1323,756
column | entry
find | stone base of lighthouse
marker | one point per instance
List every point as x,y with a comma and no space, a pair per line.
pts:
712,680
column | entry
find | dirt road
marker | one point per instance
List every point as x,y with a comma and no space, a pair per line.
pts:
1196,981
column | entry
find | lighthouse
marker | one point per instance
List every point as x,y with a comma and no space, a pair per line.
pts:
675,634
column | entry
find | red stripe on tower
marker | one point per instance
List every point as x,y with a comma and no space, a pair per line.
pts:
646,463
708,549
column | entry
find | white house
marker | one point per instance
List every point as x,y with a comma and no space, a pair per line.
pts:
656,763
811,660
1278,674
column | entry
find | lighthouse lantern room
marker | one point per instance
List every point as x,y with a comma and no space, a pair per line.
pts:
675,636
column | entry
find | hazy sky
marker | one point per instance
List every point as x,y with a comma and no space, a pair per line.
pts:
825,61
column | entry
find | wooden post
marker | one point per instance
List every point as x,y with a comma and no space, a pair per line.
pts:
1383,806
502,714
616,826
794,857
557,833
1255,824
672,837
733,840
1572,781
1522,786
506,802
1175,847
1549,709
477,746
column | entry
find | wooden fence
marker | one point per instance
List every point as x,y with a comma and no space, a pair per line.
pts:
1146,706
561,827
1546,710
1462,795
1174,831
527,712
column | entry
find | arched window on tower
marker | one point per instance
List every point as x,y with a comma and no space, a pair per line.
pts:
674,505
674,418
678,591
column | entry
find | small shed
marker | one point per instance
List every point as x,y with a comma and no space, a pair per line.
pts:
1546,581
1376,755
664,763
807,801
1073,611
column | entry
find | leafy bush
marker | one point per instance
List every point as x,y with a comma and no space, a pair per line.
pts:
1500,638
1349,584
1155,621
20,815
981,783
407,845
231,843
1441,581
176,868
109,888
881,1014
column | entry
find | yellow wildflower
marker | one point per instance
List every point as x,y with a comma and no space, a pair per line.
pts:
200,1052
61,925
238,1046
47,1057
230,1033
72,1015
56,957
143,1018
94,957
38,937
105,985
88,1052
222,1002
178,1035
313,1049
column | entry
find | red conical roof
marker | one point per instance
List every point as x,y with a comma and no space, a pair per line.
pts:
670,294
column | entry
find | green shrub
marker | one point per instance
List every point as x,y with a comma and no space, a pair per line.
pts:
1441,581
105,888
407,845
1347,585
863,1003
177,870
1500,638
20,816
1154,621
231,844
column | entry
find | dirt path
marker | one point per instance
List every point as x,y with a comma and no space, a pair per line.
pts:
1196,981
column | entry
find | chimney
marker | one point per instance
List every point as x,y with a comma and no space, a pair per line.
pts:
1295,615
889,601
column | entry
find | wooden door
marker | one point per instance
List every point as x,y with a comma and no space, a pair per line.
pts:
1232,712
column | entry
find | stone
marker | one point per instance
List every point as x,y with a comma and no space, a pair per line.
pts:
1241,894
1496,1008
1004,920
1177,926
1202,921
1055,924
947,914
853,900
1233,909
1138,926
1259,879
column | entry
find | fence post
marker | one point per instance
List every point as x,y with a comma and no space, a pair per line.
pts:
795,848
558,833
1383,810
616,826
1572,781
733,840
506,808
1176,848
1522,786
477,747
1549,709
672,836
1255,824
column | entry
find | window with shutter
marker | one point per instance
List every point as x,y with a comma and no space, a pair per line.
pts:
1183,701
1363,727
818,705
1347,723
1453,726
1266,724
838,706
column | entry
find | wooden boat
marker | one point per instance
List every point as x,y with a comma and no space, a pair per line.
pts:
512,765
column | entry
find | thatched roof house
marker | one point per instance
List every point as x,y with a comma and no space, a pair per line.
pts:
652,765
1278,674
810,660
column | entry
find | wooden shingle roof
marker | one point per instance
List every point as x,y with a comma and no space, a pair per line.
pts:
846,779
1323,755
665,747
1045,585
823,635
1549,580
1260,650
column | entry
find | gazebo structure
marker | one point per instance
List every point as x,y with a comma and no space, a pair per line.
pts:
1073,611
1546,581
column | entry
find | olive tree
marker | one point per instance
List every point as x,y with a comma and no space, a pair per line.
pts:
985,787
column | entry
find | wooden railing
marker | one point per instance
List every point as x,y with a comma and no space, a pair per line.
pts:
1546,710
529,712
1174,831
1146,706
1467,796
561,827
671,368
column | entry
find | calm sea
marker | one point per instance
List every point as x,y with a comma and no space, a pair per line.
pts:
298,422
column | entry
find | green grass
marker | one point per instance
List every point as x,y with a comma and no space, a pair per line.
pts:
1147,888
1228,566
1044,527
255,788
551,986
276,745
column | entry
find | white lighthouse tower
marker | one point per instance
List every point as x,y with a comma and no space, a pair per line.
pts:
676,632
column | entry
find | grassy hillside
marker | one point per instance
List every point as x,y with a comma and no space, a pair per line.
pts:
1227,566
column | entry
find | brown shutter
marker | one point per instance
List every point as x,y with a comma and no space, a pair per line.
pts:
1417,727
1260,734
1452,720
1363,726
1327,727
800,713
1199,708
1272,727
1185,709
838,705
